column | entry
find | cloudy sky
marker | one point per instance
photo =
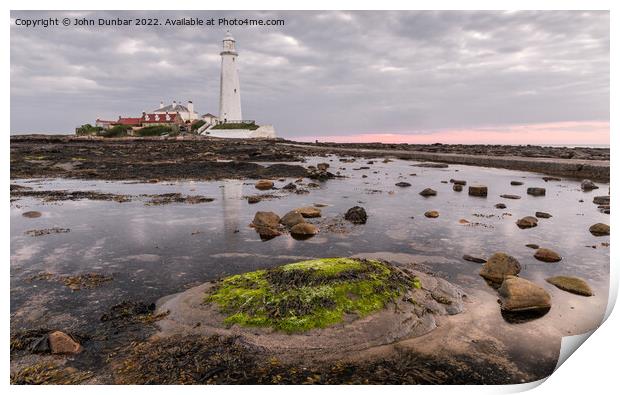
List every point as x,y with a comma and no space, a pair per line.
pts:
451,76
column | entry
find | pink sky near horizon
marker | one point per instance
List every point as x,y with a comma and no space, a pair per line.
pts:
578,133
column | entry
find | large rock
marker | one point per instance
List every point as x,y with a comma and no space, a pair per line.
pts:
601,200
571,284
61,343
304,229
291,219
527,222
309,212
356,214
478,190
547,255
536,191
599,229
428,192
266,219
521,295
267,233
587,185
500,265
263,184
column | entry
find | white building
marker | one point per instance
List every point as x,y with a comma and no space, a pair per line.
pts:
230,94
186,112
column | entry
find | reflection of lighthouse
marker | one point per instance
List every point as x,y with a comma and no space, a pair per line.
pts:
231,202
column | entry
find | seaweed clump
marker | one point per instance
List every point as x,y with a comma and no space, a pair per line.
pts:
309,294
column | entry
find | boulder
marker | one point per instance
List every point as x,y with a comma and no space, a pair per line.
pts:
571,284
547,255
291,219
356,214
587,185
264,185
428,192
431,214
402,184
309,212
514,197
473,259
527,222
61,343
266,219
267,233
253,199
536,191
500,265
599,229
478,190
500,206
516,183
601,200
521,295
304,229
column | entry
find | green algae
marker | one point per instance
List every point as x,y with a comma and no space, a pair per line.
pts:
309,294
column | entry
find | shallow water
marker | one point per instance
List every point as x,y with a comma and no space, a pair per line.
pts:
153,251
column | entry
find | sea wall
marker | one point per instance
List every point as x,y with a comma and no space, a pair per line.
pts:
264,131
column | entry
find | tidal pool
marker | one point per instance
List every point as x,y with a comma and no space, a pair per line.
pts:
153,251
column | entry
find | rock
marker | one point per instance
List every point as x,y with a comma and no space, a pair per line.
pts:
431,214
263,184
31,214
535,191
478,190
510,196
432,165
551,179
533,246
601,200
291,219
542,214
304,229
458,182
500,206
61,343
356,214
266,219
309,212
473,259
322,166
500,265
573,285
428,192
253,199
547,255
527,222
599,229
290,187
402,184
521,295
516,183
457,187
587,185
267,233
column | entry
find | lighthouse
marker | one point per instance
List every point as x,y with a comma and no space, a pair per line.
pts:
230,95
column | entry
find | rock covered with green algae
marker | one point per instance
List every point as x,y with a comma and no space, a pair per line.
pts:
336,304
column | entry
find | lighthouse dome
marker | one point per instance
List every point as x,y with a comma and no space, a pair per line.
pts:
228,36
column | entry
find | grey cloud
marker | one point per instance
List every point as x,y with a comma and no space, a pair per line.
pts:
323,73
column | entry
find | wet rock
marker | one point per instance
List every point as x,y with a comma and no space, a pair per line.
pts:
313,185
516,183
31,214
601,200
290,187
61,343
43,232
267,233
458,182
547,255
551,179
500,206
253,199
291,219
432,165
527,222
322,166
402,184
428,192
431,214
536,191
264,185
599,229
457,187
521,295
514,197
500,265
588,185
266,219
533,246
309,212
478,190
304,229
573,285
542,214
473,259
356,214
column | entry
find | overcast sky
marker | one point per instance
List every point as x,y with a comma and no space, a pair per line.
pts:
404,76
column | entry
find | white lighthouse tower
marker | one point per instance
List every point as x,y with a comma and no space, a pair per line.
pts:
230,95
